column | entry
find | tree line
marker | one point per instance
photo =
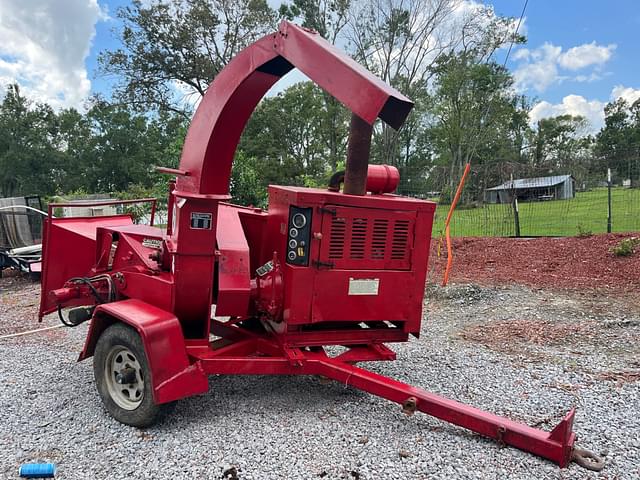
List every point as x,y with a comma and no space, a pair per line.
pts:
445,58
109,148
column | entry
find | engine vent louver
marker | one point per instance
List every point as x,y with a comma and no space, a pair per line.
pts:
336,242
373,240
379,238
399,242
358,238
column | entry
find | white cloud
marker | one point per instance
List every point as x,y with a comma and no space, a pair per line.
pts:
542,67
630,95
592,77
592,110
585,55
521,54
43,47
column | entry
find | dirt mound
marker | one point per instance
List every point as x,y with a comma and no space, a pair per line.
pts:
574,263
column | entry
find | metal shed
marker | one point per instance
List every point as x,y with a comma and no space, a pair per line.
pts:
557,187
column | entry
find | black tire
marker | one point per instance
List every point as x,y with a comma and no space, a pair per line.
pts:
146,413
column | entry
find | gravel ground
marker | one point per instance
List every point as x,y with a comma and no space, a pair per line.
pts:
476,346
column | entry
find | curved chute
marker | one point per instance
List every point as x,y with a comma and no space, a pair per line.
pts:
214,133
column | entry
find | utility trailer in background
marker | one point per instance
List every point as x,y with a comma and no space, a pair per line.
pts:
21,234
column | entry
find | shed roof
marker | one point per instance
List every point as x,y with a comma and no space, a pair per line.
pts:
537,182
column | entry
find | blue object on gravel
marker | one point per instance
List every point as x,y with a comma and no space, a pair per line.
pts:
37,470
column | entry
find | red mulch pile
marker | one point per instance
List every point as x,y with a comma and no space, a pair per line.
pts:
573,263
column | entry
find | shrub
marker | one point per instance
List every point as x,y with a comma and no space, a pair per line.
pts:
626,247
583,232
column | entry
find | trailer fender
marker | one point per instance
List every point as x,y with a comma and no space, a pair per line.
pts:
172,375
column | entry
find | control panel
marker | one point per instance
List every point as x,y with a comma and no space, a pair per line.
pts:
298,236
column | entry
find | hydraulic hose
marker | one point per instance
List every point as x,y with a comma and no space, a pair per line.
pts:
111,295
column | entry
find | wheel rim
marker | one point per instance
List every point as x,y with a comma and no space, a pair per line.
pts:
121,365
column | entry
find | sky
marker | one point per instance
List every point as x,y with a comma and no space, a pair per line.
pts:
579,55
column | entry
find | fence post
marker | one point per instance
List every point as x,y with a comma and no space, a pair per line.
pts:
516,215
609,200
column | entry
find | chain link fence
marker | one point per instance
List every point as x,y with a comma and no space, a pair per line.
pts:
518,200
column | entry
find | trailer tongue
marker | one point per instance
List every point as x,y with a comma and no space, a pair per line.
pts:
319,268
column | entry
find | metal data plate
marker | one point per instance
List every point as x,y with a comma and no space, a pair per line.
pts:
152,243
264,269
201,221
364,286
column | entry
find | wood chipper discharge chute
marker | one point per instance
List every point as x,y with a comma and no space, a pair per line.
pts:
345,265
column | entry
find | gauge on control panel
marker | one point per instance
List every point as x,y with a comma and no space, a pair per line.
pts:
299,220
293,233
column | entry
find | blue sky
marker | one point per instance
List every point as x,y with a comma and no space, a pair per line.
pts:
601,35
579,55
573,23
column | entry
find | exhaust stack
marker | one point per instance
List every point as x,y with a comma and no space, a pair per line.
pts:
358,149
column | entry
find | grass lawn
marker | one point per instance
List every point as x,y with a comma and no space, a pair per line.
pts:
587,212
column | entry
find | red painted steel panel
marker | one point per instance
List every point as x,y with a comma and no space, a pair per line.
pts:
193,256
68,250
254,223
86,226
152,289
233,264
341,76
301,195
394,300
401,291
133,251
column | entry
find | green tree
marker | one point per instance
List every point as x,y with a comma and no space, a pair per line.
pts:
125,147
617,145
28,160
285,134
408,43
172,49
477,115
561,145
247,188
329,18
415,153
73,144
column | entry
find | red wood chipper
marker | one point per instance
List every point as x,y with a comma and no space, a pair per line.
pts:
341,266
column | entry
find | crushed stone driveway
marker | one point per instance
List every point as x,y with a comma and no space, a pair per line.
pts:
527,353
